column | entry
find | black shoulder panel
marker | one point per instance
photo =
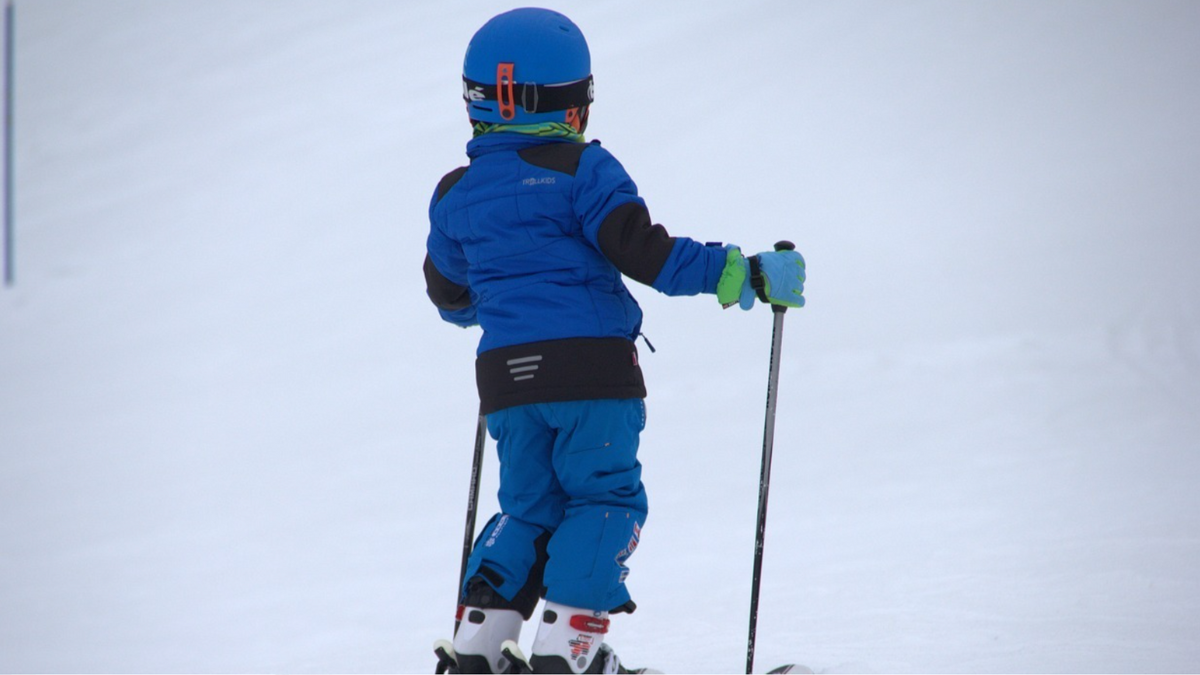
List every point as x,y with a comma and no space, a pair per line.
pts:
636,246
449,180
561,157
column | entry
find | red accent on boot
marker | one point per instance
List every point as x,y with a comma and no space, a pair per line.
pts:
589,624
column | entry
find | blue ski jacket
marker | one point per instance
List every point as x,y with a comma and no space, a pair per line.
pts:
530,241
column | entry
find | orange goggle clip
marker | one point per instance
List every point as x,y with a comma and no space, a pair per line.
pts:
504,91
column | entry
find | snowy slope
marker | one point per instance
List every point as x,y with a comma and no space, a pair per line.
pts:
235,437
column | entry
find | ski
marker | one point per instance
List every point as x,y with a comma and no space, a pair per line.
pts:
447,659
791,668
516,658
519,663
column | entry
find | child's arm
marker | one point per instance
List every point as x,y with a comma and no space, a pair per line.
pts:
617,222
452,300
446,266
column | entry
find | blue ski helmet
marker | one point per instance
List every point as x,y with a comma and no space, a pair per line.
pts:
528,66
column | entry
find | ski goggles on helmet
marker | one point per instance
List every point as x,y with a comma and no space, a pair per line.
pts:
532,98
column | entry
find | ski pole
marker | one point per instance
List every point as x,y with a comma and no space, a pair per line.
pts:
764,481
443,648
472,509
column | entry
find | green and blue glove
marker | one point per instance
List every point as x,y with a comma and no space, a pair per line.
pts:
776,277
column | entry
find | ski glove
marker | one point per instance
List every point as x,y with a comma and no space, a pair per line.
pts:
783,277
781,273
734,286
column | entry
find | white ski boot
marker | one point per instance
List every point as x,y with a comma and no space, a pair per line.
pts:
479,637
571,640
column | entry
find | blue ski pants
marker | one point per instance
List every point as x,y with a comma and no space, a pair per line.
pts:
568,469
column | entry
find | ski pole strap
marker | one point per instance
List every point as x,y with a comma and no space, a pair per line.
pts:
756,279
534,98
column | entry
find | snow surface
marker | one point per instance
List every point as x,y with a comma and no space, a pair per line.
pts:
235,437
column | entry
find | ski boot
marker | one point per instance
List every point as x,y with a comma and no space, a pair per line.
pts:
571,640
476,647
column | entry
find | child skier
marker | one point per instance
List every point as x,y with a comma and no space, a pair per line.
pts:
530,242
